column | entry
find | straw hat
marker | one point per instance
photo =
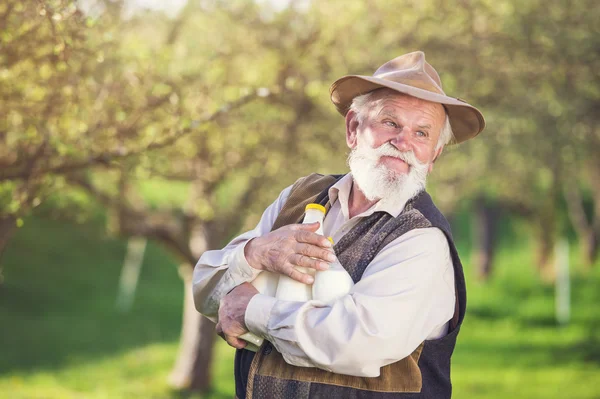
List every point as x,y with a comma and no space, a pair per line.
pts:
411,74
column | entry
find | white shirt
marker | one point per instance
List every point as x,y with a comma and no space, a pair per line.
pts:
406,295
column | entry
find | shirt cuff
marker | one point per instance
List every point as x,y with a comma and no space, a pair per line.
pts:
239,268
258,313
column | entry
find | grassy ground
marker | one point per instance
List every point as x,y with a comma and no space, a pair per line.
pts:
61,337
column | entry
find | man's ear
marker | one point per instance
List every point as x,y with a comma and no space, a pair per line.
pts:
351,128
438,152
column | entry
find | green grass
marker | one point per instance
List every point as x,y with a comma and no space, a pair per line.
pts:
60,333
61,336
510,344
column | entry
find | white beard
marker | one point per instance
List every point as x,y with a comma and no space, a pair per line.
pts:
377,182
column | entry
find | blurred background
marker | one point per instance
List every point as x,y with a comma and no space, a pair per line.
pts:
134,135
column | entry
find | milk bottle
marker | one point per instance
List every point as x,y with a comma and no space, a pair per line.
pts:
266,283
283,287
332,283
289,289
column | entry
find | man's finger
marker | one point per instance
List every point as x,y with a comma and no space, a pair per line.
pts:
308,237
235,342
306,261
314,251
314,226
219,330
297,275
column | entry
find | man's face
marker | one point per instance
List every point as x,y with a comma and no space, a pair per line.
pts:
407,123
394,146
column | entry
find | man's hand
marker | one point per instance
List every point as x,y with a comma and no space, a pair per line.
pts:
283,249
231,314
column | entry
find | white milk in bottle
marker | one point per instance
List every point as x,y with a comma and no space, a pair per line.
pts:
283,287
266,283
332,283
289,289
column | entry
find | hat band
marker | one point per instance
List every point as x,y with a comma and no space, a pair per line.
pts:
418,84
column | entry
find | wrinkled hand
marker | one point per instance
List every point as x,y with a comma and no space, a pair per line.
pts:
282,250
232,310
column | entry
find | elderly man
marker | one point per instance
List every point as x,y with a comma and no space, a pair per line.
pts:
393,335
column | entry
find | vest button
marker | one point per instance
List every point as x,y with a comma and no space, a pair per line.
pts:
268,349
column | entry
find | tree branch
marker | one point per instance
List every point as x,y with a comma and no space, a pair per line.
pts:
165,226
105,158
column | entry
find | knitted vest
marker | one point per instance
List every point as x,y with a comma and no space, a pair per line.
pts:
423,374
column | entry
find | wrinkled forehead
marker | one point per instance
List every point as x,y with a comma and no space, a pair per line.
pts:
391,101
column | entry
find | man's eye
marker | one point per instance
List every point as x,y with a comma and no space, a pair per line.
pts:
390,123
421,133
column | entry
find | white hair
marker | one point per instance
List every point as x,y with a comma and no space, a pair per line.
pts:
446,135
373,101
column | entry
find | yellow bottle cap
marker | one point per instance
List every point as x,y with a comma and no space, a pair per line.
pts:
315,206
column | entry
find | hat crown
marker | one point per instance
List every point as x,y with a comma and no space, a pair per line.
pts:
412,68
411,75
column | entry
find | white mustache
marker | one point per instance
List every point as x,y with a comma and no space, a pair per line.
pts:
388,150
377,181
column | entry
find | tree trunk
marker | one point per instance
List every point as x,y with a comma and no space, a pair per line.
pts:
586,230
545,245
589,248
594,249
544,263
547,222
192,370
8,226
201,377
484,237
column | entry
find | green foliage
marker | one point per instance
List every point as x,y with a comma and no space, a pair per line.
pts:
63,337
109,103
156,118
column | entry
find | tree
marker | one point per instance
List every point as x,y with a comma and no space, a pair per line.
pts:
113,113
184,127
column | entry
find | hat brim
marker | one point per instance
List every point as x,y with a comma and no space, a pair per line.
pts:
466,120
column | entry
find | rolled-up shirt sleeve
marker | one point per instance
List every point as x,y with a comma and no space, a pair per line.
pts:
219,271
405,296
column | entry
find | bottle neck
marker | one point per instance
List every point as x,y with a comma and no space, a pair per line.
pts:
314,215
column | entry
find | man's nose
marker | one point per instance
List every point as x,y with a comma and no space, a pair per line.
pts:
401,140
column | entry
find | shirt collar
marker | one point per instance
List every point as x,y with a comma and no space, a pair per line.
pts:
341,191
